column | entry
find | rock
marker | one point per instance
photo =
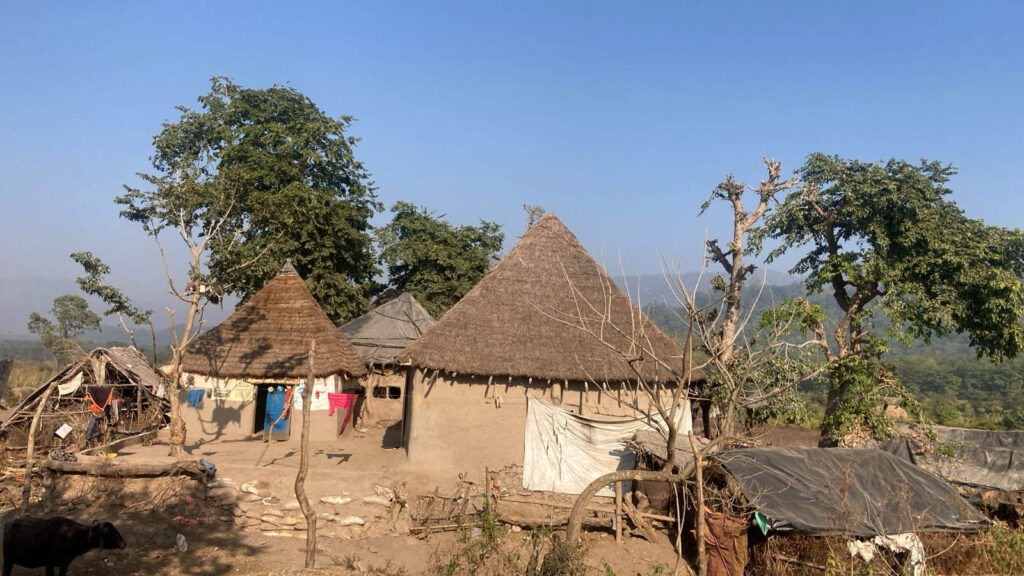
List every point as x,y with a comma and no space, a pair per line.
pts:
271,520
379,500
249,497
269,528
248,488
289,521
335,500
300,525
292,505
273,512
271,501
384,491
237,512
227,518
351,521
516,528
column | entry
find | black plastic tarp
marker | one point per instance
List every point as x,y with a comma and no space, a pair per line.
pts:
983,458
854,491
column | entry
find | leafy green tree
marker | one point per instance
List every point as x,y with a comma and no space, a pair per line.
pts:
280,179
884,237
432,259
117,303
71,318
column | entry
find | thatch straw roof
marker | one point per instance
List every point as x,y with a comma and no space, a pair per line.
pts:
380,334
269,336
526,318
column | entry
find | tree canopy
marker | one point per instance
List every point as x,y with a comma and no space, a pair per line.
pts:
280,178
94,283
885,236
71,319
437,262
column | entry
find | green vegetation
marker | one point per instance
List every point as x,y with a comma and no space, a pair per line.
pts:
435,261
71,319
886,240
265,175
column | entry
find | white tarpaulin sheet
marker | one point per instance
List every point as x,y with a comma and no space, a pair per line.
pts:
565,452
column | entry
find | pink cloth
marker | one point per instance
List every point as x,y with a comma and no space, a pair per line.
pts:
345,402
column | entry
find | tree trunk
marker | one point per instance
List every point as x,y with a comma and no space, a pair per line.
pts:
300,478
26,491
128,470
177,425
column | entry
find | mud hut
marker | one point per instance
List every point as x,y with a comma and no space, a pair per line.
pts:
378,336
107,395
241,377
532,327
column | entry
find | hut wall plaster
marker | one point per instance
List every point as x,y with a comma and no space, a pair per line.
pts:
465,424
229,409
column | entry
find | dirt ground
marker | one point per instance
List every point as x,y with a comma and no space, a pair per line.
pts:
229,531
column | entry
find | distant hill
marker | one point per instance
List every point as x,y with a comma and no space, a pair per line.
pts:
656,289
19,297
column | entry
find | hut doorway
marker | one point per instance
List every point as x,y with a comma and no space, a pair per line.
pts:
271,417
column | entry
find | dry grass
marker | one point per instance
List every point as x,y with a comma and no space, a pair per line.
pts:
26,376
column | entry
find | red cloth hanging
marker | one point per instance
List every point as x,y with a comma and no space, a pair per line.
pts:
346,402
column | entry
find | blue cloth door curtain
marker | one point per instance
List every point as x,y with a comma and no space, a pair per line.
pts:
275,405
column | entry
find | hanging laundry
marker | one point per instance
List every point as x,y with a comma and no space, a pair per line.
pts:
195,397
70,386
346,402
92,430
115,411
99,397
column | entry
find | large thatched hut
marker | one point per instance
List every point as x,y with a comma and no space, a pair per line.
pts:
378,336
547,321
240,376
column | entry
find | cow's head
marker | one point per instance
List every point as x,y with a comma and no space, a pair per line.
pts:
104,535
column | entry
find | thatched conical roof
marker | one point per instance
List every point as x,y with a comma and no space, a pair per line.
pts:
525,318
269,335
386,330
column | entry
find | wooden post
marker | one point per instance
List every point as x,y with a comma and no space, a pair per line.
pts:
26,490
698,465
618,512
300,478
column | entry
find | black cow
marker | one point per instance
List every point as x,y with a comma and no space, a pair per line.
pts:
54,542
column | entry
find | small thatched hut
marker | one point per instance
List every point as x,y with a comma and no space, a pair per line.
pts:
378,336
108,394
250,366
546,321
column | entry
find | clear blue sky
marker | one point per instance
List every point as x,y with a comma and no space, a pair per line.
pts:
619,116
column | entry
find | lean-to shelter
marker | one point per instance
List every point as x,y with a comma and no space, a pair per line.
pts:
378,336
241,377
107,395
532,326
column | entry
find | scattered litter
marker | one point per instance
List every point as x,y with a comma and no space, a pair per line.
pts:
186,520
336,500
182,544
111,455
209,467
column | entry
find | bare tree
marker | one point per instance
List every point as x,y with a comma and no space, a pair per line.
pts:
197,229
723,342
